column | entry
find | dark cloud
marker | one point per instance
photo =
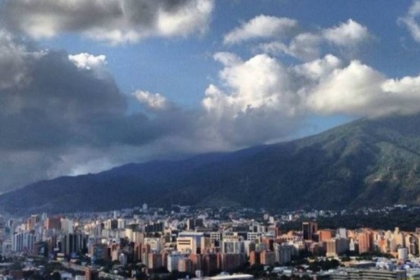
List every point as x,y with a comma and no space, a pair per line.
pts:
57,108
65,117
57,97
62,114
114,21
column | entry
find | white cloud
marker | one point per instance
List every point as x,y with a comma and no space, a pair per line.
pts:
410,20
191,17
259,82
262,93
254,103
227,59
359,90
318,68
112,21
402,95
88,61
309,46
304,45
153,101
348,90
261,27
59,124
346,34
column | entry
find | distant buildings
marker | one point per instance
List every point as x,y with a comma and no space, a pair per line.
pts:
336,246
309,229
202,241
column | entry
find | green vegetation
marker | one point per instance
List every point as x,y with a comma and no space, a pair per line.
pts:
407,220
365,163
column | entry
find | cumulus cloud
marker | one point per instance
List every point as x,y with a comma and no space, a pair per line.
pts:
254,102
59,115
359,90
260,81
261,27
318,68
261,99
66,119
346,33
94,63
305,46
113,21
348,90
154,101
88,61
308,46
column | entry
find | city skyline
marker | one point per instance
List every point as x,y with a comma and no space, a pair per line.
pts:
181,242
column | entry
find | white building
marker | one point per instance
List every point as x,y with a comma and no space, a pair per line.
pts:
23,242
173,260
67,226
403,254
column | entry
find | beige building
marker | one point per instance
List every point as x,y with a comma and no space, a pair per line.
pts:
186,245
336,246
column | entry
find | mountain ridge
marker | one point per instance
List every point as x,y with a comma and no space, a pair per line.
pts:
362,163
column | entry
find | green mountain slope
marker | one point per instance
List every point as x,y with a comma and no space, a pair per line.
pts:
363,163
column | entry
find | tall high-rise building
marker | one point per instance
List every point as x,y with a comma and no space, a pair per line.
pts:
309,229
233,247
185,265
210,264
173,260
52,223
229,262
398,238
341,233
32,221
23,242
73,243
254,258
365,242
336,246
267,258
411,243
325,234
111,224
197,261
155,260
283,253
99,252
66,226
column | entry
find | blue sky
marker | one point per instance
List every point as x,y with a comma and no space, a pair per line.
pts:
88,85
188,67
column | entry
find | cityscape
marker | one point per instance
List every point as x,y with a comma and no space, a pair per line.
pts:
187,242
209,140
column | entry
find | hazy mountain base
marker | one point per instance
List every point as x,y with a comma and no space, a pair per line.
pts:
363,163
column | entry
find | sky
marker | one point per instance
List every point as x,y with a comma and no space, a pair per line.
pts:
87,85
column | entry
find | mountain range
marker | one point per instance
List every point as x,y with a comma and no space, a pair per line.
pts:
368,162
